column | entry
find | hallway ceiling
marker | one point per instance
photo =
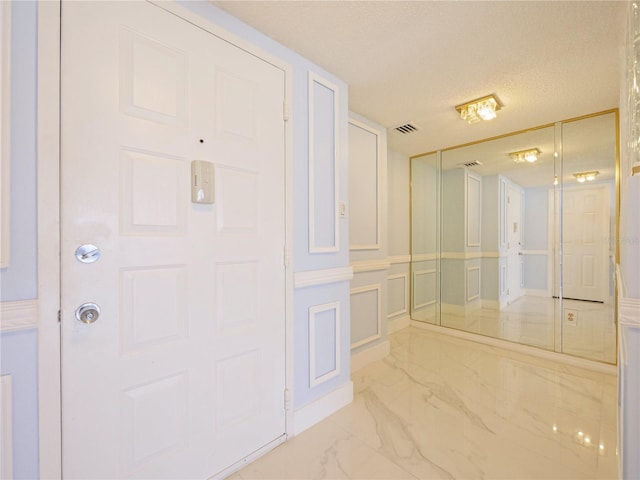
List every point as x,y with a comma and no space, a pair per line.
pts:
414,61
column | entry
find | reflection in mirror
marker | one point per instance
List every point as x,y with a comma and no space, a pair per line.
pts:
488,260
588,232
425,238
490,227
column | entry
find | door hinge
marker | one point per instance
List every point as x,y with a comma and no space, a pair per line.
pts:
59,316
285,111
287,399
286,256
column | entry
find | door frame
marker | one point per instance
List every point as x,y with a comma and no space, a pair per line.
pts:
510,186
48,222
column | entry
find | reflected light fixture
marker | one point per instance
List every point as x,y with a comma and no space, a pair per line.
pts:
530,155
484,108
586,176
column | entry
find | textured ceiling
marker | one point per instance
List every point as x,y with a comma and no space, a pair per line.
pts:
413,61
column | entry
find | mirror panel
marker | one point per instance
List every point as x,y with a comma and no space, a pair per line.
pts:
487,267
588,233
488,234
425,244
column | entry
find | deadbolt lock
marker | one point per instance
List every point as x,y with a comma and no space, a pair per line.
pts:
88,312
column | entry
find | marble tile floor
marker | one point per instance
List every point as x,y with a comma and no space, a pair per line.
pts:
440,407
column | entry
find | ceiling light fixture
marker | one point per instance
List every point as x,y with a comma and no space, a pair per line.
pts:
484,108
530,155
586,176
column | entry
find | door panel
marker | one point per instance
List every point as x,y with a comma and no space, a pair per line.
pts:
183,373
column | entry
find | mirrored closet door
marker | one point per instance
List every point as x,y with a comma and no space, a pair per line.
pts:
514,237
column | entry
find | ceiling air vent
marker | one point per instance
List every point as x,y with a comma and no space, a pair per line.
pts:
406,128
471,164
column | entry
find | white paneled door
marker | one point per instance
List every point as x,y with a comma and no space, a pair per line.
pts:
585,243
182,373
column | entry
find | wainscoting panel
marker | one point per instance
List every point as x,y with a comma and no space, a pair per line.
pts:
424,288
323,168
473,283
322,317
364,187
324,343
366,314
397,285
474,203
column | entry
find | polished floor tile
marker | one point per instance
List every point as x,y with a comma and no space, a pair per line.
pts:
440,407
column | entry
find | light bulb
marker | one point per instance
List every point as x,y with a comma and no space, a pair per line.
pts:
487,110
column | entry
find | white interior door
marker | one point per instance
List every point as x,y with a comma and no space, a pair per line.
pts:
183,372
514,243
585,233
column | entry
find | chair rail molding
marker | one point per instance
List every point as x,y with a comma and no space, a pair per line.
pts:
399,259
19,315
370,265
313,278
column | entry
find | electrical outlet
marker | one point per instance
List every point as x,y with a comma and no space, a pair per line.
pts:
571,316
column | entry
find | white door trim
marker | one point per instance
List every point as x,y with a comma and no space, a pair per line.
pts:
48,226
49,222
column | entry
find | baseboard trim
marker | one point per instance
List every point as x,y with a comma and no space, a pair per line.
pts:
307,416
250,458
365,357
395,324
